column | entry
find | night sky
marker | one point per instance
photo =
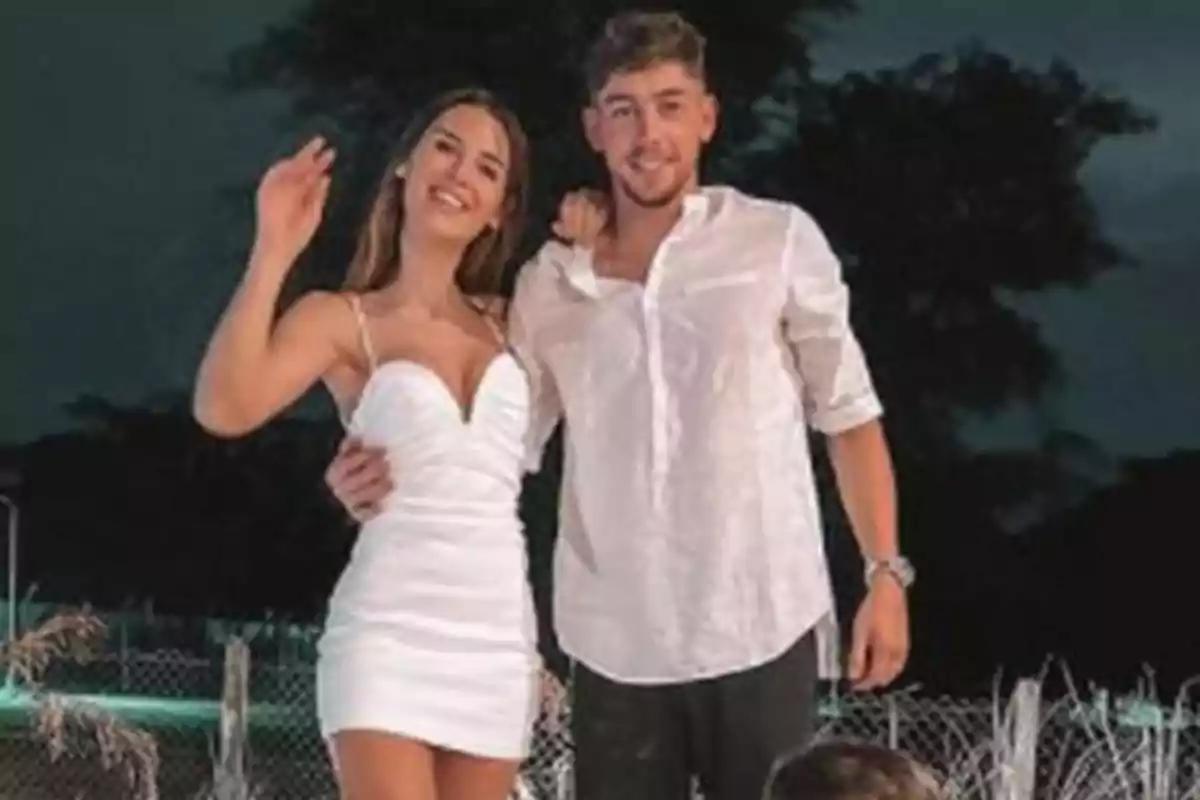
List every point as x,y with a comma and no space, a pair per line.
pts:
120,247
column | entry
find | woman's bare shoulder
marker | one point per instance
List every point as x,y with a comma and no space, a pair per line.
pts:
322,314
316,308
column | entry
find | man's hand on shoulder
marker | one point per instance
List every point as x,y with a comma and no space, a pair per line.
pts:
582,216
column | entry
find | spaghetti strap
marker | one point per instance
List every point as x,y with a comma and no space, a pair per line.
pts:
493,326
364,335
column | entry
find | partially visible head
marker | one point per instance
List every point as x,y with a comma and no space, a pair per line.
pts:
649,111
850,771
460,177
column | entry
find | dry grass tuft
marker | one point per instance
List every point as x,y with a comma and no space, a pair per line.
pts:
81,729
74,636
1151,761
75,728
555,704
1086,750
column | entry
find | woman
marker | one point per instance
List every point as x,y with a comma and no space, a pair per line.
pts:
428,670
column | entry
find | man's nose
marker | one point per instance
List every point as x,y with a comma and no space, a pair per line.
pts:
649,126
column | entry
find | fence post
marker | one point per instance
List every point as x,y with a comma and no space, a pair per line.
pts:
229,778
124,656
893,723
1018,777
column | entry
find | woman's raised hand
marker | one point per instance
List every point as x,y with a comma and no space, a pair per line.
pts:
291,201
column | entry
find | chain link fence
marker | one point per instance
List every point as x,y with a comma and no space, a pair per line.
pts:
1084,749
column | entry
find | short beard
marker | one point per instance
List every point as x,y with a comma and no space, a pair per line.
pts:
655,202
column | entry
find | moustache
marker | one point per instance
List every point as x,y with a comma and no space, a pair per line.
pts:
651,152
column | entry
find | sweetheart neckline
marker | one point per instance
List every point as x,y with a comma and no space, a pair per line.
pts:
466,414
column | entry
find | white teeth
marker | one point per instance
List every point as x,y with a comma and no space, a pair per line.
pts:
448,199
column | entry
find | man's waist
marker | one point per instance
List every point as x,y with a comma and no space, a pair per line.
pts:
674,546
646,659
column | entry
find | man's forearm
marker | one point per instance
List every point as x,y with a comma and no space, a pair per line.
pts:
867,486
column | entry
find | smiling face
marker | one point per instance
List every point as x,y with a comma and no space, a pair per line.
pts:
460,177
650,124
456,178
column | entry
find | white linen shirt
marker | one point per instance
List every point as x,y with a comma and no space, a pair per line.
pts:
690,542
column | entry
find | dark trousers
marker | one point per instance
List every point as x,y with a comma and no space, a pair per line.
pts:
636,742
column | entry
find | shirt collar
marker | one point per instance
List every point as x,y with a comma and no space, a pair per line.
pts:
579,269
695,205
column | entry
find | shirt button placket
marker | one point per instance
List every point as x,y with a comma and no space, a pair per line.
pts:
652,318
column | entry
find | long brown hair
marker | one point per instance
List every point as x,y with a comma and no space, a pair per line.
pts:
377,258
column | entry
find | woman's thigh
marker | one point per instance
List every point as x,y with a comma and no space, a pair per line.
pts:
459,776
372,765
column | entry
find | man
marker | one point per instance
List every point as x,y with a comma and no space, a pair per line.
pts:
686,351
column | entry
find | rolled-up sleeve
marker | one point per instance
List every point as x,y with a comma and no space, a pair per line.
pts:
836,382
545,407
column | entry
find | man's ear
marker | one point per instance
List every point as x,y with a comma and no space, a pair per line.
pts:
710,113
591,127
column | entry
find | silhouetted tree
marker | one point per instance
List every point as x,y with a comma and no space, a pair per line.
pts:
358,70
950,186
141,503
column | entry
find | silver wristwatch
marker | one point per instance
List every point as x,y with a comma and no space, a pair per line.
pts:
900,568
